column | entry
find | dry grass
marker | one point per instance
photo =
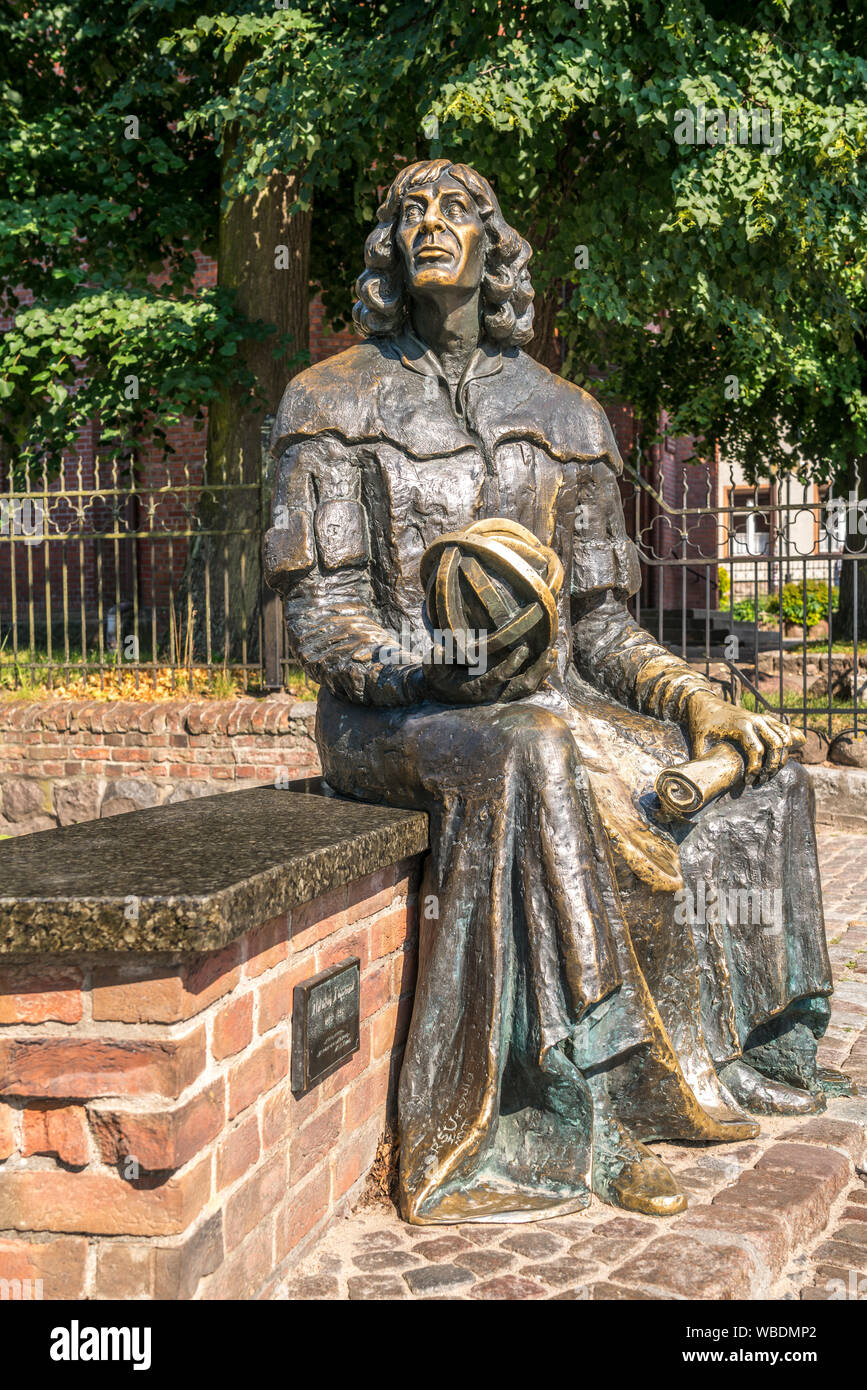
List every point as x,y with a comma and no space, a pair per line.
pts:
116,683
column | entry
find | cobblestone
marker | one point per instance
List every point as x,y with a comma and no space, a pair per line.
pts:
384,1260
438,1279
494,1261
783,1217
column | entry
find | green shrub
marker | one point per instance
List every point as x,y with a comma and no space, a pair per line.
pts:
724,580
805,604
744,611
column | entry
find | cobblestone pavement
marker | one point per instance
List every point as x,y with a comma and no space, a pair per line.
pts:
783,1217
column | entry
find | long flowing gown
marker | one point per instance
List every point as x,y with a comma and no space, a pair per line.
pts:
554,942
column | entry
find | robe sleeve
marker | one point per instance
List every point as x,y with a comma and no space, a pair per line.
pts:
317,555
609,649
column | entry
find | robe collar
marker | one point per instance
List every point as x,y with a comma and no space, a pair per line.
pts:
485,360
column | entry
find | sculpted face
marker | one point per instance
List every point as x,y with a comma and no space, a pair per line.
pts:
441,238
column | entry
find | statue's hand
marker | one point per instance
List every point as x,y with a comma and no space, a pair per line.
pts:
528,682
454,685
763,739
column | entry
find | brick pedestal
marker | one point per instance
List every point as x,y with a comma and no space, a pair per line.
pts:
150,1145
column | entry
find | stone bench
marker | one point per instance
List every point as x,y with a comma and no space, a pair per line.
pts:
151,1143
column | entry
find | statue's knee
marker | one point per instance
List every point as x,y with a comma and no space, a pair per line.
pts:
792,783
541,736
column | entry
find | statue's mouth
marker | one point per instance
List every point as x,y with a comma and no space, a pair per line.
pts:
433,253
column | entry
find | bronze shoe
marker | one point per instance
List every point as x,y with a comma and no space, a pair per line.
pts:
648,1186
628,1175
763,1096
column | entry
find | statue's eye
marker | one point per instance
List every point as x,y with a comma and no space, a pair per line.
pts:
455,210
411,212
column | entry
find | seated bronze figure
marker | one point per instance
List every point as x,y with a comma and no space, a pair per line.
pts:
571,1006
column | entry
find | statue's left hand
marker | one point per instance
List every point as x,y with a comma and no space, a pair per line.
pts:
763,739
455,686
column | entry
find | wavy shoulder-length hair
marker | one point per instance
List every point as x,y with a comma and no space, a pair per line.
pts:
507,292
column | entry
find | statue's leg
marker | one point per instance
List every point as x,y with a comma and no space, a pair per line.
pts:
526,973
624,752
669,963
751,861
761,987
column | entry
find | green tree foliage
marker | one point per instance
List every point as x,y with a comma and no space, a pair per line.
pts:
723,282
104,197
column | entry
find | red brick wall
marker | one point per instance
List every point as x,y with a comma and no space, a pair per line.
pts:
323,342
150,1144
63,761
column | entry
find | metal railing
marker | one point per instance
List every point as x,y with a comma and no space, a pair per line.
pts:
117,577
743,581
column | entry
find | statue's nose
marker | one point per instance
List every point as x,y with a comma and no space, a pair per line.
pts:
432,219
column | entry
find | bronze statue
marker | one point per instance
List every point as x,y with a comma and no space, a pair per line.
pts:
578,996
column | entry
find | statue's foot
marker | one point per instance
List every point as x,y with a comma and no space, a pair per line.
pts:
647,1186
727,1125
628,1175
725,1121
786,1051
764,1096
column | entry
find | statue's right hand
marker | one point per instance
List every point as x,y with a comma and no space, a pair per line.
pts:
528,682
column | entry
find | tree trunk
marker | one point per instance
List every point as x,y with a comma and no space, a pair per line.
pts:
856,545
263,255
544,345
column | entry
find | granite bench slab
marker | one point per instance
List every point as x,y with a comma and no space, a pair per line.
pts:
192,876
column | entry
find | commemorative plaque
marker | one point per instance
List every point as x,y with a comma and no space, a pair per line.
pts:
325,1018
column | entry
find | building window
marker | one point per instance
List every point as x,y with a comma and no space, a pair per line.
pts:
750,522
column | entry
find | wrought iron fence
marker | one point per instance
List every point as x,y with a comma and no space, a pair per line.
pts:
743,581
122,578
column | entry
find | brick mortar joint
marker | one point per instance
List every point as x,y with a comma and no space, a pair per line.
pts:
108,1031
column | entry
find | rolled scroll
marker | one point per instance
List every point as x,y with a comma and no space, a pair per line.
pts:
683,790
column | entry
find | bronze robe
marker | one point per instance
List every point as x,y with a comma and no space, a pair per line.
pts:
553,941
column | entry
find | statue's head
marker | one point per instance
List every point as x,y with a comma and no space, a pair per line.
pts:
440,230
